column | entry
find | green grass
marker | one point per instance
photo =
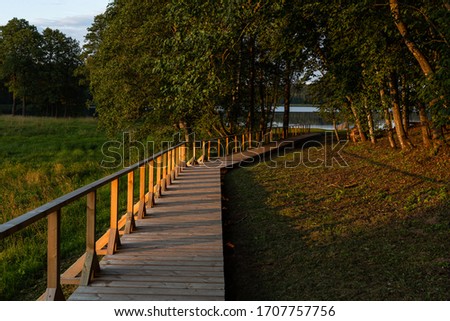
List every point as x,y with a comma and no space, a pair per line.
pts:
42,159
375,230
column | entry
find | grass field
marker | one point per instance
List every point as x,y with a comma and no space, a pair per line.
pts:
377,229
40,160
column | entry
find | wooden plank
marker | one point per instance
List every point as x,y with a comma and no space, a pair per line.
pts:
206,263
107,270
158,279
168,258
147,291
160,284
144,297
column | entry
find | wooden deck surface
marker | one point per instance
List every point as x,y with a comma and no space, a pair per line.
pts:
176,252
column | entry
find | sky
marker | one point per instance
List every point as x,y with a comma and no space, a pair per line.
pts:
72,17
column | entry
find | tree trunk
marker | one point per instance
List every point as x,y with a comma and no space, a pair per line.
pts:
393,86
335,130
424,124
370,123
262,95
23,106
362,136
347,128
14,105
185,128
405,104
251,110
387,119
287,99
412,47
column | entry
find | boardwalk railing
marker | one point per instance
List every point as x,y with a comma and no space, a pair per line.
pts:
162,169
204,150
156,172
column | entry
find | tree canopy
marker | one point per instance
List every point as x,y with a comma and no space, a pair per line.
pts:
40,68
220,67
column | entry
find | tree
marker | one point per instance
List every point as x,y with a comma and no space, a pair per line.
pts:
220,67
428,43
19,57
59,86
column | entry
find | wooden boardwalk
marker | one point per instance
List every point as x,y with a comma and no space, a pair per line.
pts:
176,252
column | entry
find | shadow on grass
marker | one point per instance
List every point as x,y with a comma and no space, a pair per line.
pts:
271,255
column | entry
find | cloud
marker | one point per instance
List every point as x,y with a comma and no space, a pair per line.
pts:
73,26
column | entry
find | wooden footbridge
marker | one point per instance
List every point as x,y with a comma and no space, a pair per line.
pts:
168,245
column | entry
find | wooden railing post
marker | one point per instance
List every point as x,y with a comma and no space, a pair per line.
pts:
227,140
169,168
130,224
142,207
177,162
209,149
205,156
172,168
219,147
158,176
249,140
114,239
91,265
194,152
164,173
243,143
183,156
151,183
54,291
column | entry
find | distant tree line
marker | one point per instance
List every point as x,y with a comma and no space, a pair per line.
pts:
39,69
220,67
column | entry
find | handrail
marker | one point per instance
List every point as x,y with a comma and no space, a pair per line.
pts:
39,213
88,264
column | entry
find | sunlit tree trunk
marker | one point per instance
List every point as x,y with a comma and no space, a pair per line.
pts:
387,119
412,47
358,124
401,135
424,124
370,123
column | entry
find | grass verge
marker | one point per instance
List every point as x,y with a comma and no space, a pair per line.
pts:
377,229
42,159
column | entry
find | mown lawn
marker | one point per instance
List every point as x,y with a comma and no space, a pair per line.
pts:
377,229
42,159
